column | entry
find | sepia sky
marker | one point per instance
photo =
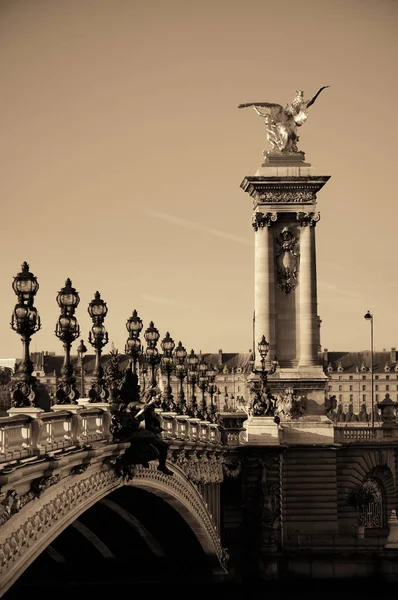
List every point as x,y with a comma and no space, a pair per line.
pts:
122,152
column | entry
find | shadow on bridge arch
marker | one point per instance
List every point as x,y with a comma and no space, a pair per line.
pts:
152,529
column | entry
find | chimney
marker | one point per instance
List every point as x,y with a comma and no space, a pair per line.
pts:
393,355
219,362
325,356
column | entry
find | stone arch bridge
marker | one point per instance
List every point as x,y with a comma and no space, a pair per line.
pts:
56,467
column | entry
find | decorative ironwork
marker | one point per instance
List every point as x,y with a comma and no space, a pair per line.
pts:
133,345
371,515
168,365
25,321
151,336
181,372
67,330
287,260
98,338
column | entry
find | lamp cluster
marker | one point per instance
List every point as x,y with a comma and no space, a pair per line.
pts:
173,359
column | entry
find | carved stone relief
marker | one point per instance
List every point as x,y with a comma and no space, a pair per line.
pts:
287,254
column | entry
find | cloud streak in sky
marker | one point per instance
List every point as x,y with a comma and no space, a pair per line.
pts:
197,227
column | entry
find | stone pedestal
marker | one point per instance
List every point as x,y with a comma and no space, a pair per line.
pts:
308,430
262,431
31,411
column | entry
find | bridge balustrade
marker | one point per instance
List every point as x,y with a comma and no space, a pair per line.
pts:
365,434
23,436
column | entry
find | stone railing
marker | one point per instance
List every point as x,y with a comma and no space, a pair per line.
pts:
233,425
23,436
364,434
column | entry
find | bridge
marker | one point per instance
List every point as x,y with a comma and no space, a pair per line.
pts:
56,467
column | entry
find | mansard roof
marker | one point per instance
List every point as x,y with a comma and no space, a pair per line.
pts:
351,362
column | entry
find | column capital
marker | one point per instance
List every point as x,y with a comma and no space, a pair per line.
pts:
308,218
261,219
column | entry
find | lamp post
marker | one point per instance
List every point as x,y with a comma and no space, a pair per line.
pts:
98,338
181,371
81,351
212,388
192,362
25,321
67,330
263,347
369,317
167,363
203,383
133,345
152,336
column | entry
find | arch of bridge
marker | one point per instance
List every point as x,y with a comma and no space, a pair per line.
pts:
34,522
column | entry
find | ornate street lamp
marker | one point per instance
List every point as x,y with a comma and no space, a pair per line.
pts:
192,362
152,336
212,388
98,338
67,330
81,351
369,317
181,372
133,346
25,321
263,347
203,383
168,364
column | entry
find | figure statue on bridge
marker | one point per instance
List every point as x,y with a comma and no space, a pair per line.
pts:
146,443
282,122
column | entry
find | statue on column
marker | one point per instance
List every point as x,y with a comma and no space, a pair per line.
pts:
282,122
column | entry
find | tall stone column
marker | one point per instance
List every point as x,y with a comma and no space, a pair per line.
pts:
308,317
264,283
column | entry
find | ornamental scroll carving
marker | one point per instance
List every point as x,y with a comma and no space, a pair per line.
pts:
260,219
288,197
198,466
287,254
309,218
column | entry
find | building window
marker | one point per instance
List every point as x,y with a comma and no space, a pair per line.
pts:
387,388
225,390
363,376
364,388
363,397
351,388
340,388
351,397
387,378
238,389
351,377
377,397
340,377
376,377
340,398
376,387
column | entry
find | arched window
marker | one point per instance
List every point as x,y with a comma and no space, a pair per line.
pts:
371,516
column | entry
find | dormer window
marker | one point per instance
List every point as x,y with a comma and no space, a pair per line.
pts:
387,368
